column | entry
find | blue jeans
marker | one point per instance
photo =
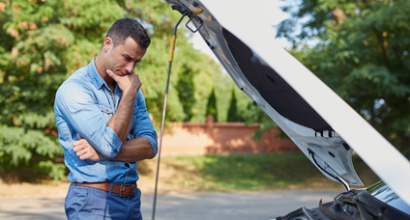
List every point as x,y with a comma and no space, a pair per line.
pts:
86,203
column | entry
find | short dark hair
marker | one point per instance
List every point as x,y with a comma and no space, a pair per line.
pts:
128,27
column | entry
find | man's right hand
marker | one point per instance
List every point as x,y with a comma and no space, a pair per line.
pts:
127,83
120,122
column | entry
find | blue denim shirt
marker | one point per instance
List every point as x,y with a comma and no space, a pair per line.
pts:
83,106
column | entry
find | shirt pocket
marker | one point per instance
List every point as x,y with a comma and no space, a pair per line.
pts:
106,111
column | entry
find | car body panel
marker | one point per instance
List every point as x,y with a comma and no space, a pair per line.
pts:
318,121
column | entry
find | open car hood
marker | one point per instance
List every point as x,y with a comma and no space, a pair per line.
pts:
317,120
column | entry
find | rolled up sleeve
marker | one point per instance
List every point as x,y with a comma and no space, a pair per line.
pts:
142,126
78,106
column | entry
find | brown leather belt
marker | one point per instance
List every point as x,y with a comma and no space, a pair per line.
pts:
123,190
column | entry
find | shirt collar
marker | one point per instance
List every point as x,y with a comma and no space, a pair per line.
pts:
95,77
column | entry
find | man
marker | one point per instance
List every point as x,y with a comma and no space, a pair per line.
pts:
104,128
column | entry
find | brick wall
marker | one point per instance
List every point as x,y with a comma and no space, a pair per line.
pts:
220,138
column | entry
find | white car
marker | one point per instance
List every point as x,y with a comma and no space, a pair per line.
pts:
321,124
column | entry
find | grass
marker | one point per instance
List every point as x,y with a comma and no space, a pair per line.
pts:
230,173
246,172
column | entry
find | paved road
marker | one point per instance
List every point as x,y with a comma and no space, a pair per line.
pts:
199,206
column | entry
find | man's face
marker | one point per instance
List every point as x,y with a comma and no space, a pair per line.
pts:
121,59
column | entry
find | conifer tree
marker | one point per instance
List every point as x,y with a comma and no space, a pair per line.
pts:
233,114
186,91
211,108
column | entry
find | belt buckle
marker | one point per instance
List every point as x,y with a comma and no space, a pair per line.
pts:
122,188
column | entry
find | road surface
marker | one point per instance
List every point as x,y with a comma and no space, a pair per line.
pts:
199,206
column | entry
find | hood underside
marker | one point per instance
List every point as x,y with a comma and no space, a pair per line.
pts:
321,124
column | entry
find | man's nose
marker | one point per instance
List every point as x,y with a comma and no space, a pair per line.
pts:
130,67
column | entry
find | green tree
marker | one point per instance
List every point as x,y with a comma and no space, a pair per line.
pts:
43,42
361,50
211,108
233,114
186,91
41,46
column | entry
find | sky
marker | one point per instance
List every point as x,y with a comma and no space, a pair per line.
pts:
236,13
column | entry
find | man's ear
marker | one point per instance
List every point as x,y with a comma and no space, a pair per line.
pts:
108,43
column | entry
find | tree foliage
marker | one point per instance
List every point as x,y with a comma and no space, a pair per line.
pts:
43,42
186,91
233,113
361,50
211,108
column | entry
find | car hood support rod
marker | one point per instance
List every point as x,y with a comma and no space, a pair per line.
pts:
171,57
